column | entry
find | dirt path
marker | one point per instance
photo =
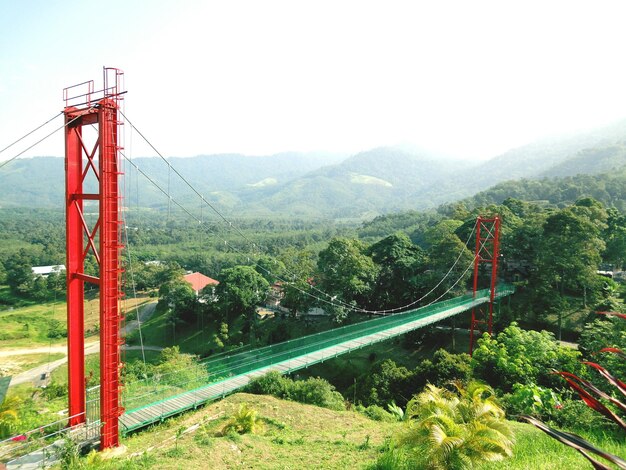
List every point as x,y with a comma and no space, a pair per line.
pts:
90,348
41,350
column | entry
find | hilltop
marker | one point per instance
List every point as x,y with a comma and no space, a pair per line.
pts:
299,436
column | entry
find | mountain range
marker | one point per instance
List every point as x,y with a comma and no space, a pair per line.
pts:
360,186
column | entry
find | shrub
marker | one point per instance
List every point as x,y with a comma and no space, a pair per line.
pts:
385,382
396,411
376,413
136,370
531,399
449,367
312,391
520,356
576,415
272,383
9,416
56,329
179,369
55,390
319,392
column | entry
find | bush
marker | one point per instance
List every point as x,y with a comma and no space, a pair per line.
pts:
450,367
55,390
136,370
319,392
456,430
531,399
384,383
576,415
312,391
272,383
56,330
376,413
520,356
179,369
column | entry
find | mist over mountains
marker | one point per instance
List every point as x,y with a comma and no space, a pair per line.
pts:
360,186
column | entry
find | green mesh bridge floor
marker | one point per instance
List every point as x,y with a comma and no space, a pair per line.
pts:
226,374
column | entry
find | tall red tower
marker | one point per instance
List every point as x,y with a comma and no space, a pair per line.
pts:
487,251
92,163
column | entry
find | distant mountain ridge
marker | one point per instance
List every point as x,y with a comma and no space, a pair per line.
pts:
376,181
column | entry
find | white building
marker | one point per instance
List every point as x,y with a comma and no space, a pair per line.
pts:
45,271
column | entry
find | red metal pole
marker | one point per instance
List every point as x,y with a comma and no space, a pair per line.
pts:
109,275
494,269
475,284
74,266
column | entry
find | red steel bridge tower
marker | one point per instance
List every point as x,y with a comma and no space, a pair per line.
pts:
92,170
487,252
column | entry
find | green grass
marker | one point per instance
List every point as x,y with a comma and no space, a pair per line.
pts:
92,368
28,325
135,355
298,436
295,436
534,449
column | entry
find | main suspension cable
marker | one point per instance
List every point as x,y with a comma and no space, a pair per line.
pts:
31,132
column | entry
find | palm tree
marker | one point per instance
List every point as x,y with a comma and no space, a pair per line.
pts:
246,420
453,431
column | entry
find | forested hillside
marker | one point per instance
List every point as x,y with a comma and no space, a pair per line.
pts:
370,183
608,188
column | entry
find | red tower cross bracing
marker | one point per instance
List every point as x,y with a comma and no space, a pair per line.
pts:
487,251
85,170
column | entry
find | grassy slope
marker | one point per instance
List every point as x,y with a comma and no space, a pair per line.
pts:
295,436
306,437
535,450
28,326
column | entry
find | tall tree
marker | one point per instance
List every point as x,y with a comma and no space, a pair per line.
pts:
346,271
180,300
239,292
615,238
400,265
19,274
298,271
570,249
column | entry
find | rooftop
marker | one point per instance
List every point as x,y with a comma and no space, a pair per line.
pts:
199,281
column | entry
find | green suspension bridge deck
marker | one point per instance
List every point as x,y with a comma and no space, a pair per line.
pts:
226,374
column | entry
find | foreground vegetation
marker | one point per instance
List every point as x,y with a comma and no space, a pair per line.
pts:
300,436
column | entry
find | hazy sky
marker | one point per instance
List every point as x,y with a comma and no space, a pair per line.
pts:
471,78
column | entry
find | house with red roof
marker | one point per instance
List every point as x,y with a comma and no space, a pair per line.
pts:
199,281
